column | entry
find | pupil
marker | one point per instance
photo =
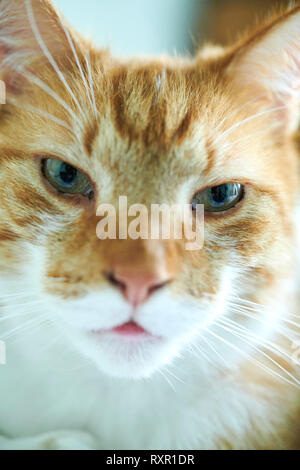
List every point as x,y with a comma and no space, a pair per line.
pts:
67,173
219,193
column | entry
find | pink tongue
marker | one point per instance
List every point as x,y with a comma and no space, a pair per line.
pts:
130,328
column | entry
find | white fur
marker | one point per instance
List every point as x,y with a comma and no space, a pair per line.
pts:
59,382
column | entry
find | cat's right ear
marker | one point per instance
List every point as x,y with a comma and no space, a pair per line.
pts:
30,31
268,64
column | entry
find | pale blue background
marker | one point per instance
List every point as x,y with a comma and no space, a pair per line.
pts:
135,26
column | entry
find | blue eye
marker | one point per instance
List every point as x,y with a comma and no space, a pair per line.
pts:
219,198
66,178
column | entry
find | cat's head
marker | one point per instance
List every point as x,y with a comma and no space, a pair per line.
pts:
80,128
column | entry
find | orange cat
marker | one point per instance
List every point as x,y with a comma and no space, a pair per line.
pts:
86,321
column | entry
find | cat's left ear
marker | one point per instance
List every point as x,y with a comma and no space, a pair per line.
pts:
268,64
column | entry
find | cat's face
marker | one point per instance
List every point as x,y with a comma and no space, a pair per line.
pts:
157,131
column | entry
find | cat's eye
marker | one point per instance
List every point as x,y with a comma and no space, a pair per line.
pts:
219,198
66,178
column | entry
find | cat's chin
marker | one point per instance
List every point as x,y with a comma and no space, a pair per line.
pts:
125,356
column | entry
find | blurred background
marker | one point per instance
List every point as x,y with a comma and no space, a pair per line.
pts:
132,27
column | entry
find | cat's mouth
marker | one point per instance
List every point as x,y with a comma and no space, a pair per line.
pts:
129,330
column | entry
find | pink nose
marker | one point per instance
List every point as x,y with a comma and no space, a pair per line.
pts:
136,286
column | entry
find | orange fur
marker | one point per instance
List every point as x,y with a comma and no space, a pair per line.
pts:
159,123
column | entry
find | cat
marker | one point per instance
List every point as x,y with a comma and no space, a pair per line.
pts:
142,344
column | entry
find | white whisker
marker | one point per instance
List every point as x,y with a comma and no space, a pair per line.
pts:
36,321
247,312
253,306
175,376
250,358
248,119
43,114
238,335
284,332
202,353
214,350
47,53
236,110
249,136
71,43
261,340
88,63
43,86
167,380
